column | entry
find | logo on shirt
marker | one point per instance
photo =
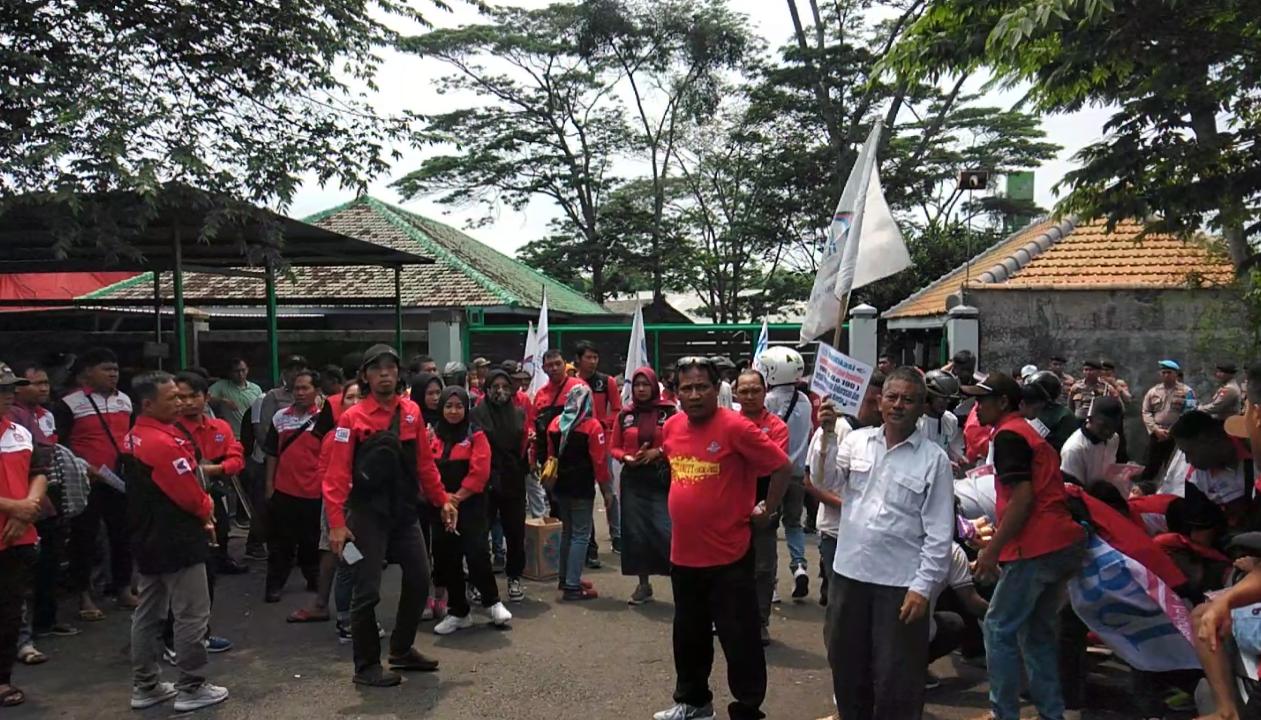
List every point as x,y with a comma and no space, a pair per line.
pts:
410,419
182,466
714,447
342,435
691,471
599,438
219,437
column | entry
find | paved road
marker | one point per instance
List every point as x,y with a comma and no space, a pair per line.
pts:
558,661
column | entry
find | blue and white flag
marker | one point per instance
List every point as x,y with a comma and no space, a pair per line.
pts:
1132,610
636,353
540,348
763,342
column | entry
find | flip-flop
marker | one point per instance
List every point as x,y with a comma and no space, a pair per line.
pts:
93,615
377,677
28,655
306,616
12,697
413,661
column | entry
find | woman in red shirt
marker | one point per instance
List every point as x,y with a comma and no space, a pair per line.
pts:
577,440
426,392
463,457
645,507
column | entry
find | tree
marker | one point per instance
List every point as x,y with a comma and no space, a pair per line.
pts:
547,125
236,99
1182,77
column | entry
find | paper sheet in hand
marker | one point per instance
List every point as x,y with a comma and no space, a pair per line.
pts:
841,378
109,478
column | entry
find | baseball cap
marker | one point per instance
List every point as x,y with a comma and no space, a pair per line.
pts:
378,351
1228,367
1092,364
9,379
996,384
480,362
1107,364
1170,365
1027,371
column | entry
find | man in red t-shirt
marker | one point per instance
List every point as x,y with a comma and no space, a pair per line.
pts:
22,486
1039,546
293,488
606,403
750,392
716,457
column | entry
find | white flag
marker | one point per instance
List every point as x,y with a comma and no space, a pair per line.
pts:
763,342
530,361
636,353
862,216
540,348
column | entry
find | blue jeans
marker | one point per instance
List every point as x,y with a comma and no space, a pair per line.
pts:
793,509
575,514
1023,620
536,497
497,540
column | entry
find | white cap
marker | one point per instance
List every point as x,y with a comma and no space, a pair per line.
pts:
1028,370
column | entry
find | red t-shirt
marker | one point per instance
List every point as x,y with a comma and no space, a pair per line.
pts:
774,428
215,442
17,447
296,448
714,467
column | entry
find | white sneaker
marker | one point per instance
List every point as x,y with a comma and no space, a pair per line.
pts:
451,623
686,712
499,614
204,696
775,596
160,693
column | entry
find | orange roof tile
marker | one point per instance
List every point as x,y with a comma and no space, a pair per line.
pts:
1077,257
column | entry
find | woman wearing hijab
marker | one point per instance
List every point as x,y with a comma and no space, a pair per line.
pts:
636,444
576,439
462,454
503,423
426,392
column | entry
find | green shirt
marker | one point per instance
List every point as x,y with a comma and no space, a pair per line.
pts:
241,397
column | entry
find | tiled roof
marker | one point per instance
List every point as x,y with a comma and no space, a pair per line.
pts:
465,272
1067,256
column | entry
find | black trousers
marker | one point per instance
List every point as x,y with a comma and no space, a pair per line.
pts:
293,535
1158,453
379,537
510,510
16,567
108,505
1074,666
255,485
948,637
878,662
722,597
472,544
52,548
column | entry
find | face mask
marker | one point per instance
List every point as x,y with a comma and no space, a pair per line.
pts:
500,395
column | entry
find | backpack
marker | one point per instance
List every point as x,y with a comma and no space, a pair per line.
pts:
380,469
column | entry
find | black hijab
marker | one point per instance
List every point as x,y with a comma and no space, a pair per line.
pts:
501,420
419,386
452,433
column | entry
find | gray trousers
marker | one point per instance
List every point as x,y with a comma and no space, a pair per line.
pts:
765,567
187,595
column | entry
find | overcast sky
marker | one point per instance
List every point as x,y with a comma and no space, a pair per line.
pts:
406,82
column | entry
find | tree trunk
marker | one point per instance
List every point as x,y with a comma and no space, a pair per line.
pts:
1232,209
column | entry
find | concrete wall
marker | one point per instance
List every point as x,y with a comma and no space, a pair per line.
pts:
1133,328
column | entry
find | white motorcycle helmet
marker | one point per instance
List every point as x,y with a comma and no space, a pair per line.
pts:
782,366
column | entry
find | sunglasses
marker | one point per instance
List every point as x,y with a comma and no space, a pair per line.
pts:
694,361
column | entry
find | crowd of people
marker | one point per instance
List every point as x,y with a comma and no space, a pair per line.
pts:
951,509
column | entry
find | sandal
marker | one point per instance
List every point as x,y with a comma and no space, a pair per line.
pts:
413,661
28,655
93,615
377,677
306,616
12,697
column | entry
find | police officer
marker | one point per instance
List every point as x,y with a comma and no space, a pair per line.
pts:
1228,400
1091,386
1162,406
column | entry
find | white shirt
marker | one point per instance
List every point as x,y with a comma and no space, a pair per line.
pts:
959,575
1088,461
800,426
1222,486
897,511
944,431
824,475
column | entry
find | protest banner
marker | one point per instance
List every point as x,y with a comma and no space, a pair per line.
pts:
841,378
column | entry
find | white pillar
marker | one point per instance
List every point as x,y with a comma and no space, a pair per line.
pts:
862,334
963,330
445,342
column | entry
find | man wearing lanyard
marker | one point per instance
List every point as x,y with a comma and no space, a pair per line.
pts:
293,489
897,519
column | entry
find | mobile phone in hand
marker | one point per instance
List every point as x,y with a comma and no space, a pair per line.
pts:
351,554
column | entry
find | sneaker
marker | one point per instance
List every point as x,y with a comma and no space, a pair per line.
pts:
58,630
255,552
498,564
474,596
147,698
578,595
204,696
451,623
427,614
801,583
343,633
216,644
594,563
617,545
642,595
686,712
516,593
499,615
775,599
766,636
932,682
168,654
440,608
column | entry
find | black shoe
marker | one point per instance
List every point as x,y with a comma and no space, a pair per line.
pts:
594,563
766,636
617,545
801,583
228,566
255,552
271,597
498,564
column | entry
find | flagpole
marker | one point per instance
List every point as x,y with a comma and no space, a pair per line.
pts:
840,322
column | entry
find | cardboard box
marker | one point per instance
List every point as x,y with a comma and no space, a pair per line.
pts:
542,548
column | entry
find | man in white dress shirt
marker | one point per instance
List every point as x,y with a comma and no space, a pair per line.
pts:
897,526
